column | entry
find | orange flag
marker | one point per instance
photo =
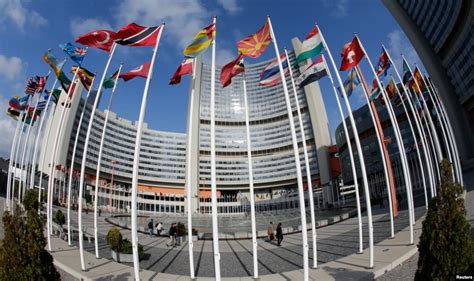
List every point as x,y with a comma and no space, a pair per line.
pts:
254,45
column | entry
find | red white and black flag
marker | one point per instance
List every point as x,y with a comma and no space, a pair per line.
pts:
140,71
136,35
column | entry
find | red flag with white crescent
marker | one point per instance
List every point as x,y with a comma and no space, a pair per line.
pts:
101,39
140,71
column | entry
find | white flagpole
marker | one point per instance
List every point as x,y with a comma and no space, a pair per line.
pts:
415,140
11,160
308,168
299,175
251,187
215,227
351,157
398,137
84,157
450,129
99,160
136,160
188,175
418,124
360,154
382,154
73,159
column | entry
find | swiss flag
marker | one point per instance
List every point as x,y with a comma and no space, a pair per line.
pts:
141,71
351,54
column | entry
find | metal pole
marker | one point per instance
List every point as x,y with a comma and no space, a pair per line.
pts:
10,161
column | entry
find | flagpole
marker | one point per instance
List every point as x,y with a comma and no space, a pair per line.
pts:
418,124
449,128
215,227
351,156
307,166
136,158
251,184
415,140
10,161
361,157
398,137
299,175
382,151
188,175
99,160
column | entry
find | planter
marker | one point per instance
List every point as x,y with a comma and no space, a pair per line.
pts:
119,257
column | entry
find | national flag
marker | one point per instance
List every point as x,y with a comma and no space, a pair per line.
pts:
84,75
375,91
312,73
186,67
254,45
312,46
383,64
406,73
140,71
30,86
17,103
64,81
55,64
13,113
351,83
351,54
134,35
271,73
77,54
109,83
201,41
41,105
56,93
101,39
231,69
40,83
417,79
390,90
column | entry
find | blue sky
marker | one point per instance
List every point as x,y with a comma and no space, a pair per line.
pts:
28,28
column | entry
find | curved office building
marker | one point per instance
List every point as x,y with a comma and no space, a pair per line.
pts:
163,154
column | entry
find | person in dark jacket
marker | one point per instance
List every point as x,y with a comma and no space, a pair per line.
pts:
172,234
279,234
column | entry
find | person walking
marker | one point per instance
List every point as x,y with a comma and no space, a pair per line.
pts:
172,234
270,233
159,228
150,228
279,234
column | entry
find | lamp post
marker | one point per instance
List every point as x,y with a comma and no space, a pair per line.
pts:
111,186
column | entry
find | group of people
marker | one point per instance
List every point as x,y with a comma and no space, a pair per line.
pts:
158,227
271,233
173,232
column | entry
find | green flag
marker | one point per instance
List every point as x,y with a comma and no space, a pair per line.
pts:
109,83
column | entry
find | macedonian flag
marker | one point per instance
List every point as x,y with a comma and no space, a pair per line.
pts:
254,45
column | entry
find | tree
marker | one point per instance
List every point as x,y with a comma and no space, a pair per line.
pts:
59,217
446,247
22,251
30,201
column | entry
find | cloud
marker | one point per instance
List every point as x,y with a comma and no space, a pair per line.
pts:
7,127
230,6
14,11
338,7
183,18
81,26
399,44
10,67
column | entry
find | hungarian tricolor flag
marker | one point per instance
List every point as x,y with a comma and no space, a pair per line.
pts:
312,46
254,45
351,54
101,39
186,67
134,35
230,70
140,71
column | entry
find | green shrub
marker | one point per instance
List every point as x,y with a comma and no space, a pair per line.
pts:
59,217
128,249
30,201
446,247
114,239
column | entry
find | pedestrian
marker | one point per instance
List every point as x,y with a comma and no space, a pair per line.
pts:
270,233
150,228
172,235
100,211
279,234
159,228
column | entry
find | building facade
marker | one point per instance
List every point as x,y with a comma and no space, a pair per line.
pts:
442,32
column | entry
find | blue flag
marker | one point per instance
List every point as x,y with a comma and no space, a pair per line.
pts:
351,83
75,53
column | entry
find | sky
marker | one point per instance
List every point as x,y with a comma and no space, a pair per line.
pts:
28,28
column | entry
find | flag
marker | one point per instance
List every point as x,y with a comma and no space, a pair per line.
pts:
201,41
406,73
56,93
313,73
231,69
134,35
351,83
101,39
84,75
383,64
55,64
64,81
109,83
254,45
18,103
390,90
141,71
186,67
13,113
41,105
40,83
375,91
417,79
77,54
351,54
30,86
271,73
312,46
